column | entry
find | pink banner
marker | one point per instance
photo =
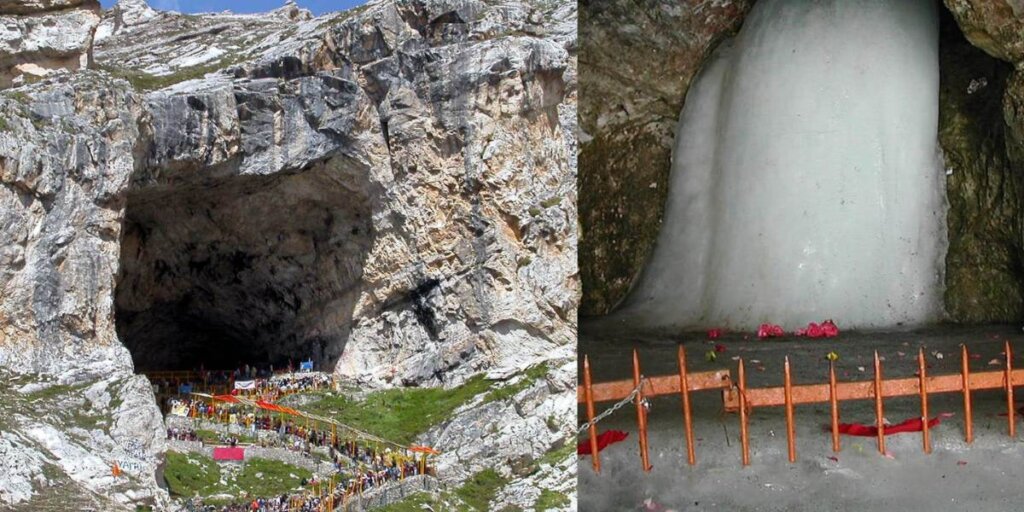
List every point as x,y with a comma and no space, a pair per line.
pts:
228,453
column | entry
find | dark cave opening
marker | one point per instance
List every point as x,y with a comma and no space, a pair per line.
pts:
258,270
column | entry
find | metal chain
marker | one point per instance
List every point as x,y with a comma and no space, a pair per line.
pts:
622,403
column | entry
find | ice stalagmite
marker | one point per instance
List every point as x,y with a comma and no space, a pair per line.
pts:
806,181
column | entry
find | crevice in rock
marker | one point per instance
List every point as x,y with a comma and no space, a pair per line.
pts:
984,279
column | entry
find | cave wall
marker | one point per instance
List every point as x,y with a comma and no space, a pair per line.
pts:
630,119
984,278
637,60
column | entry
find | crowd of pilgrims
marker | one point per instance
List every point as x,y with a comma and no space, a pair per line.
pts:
376,470
266,383
376,467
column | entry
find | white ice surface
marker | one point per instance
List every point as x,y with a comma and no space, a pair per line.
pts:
806,180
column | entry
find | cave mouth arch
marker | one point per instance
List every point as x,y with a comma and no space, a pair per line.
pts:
260,270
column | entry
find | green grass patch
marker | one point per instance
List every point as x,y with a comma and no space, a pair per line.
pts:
480,489
55,391
85,420
531,376
211,437
551,201
146,82
189,474
267,478
18,96
551,500
556,455
413,503
348,14
399,414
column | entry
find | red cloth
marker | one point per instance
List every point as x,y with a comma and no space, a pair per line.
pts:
604,439
769,331
227,453
859,429
269,406
826,329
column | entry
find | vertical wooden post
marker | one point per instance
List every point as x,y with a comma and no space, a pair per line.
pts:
923,385
879,413
588,394
833,397
684,390
790,430
641,413
1009,392
965,378
742,385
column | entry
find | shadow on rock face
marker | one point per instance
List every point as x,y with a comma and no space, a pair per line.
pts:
244,269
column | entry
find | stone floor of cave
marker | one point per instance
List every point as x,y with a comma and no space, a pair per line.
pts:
981,476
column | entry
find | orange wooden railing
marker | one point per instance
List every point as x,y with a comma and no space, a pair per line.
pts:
739,398
683,383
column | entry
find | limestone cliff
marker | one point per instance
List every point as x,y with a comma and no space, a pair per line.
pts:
389,190
39,36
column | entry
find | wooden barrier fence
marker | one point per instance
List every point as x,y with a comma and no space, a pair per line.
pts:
739,398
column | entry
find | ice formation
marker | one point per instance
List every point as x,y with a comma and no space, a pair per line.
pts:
806,181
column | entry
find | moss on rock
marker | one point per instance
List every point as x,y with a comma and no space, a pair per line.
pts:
984,277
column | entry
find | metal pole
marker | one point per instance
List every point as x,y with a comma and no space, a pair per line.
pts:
878,405
790,429
744,440
833,396
684,390
965,375
925,438
588,392
641,413
1009,391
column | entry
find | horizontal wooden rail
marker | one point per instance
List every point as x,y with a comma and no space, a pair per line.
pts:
657,386
864,390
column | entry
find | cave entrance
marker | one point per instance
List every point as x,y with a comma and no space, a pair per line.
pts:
257,270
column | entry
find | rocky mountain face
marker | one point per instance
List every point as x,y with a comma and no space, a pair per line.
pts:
630,112
39,36
388,190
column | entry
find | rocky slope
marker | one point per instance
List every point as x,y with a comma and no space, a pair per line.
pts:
390,190
40,36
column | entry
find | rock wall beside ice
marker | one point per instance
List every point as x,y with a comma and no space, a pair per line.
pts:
806,180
